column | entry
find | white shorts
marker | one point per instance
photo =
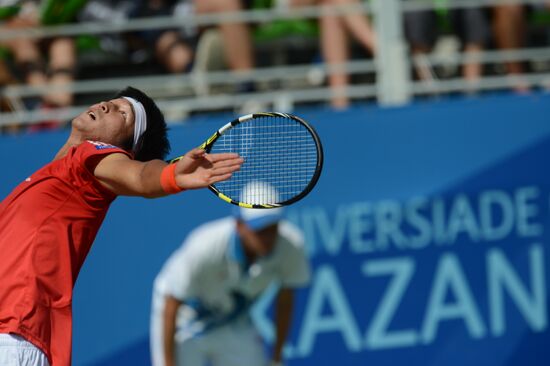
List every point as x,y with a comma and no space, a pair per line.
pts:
234,344
16,351
229,345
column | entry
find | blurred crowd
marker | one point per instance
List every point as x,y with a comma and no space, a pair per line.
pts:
56,61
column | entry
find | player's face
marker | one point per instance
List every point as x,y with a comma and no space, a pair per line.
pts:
110,122
260,242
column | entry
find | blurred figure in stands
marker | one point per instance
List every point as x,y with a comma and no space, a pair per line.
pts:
174,48
185,47
42,61
7,103
336,32
238,52
510,32
171,48
471,25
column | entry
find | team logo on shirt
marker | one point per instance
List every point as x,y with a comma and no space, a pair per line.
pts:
101,145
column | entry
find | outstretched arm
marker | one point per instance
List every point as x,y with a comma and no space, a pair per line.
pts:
196,169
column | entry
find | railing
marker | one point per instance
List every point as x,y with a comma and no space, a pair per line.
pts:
178,95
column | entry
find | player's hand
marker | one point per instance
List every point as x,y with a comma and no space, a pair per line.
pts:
197,169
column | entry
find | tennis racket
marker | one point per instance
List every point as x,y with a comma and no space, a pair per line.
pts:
283,159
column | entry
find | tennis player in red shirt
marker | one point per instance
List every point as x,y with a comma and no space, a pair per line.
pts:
49,222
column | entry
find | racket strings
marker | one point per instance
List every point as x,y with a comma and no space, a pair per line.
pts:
278,151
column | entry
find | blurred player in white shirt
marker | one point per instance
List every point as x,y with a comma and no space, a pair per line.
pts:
203,294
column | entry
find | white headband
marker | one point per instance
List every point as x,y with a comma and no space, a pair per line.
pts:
140,120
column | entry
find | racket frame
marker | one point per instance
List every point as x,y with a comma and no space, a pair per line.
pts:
207,146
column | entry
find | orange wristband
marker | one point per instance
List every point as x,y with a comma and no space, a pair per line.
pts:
168,179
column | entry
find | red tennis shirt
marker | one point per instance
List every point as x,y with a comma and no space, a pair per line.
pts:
47,226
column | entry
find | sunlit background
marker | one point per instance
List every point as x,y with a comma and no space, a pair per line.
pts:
429,229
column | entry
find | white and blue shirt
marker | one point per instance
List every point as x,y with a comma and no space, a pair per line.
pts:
209,274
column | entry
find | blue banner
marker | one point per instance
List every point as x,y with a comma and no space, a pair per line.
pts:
428,233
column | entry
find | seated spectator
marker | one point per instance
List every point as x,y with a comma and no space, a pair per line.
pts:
7,104
42,62
509,34
336,31
239,53
170,47
174,48
470,25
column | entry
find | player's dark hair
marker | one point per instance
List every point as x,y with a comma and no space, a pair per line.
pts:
154,143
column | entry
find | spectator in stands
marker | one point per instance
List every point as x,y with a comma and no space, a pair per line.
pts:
509,34
235,35
335,35
170,47
174,49
470,24
42,62
7,104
